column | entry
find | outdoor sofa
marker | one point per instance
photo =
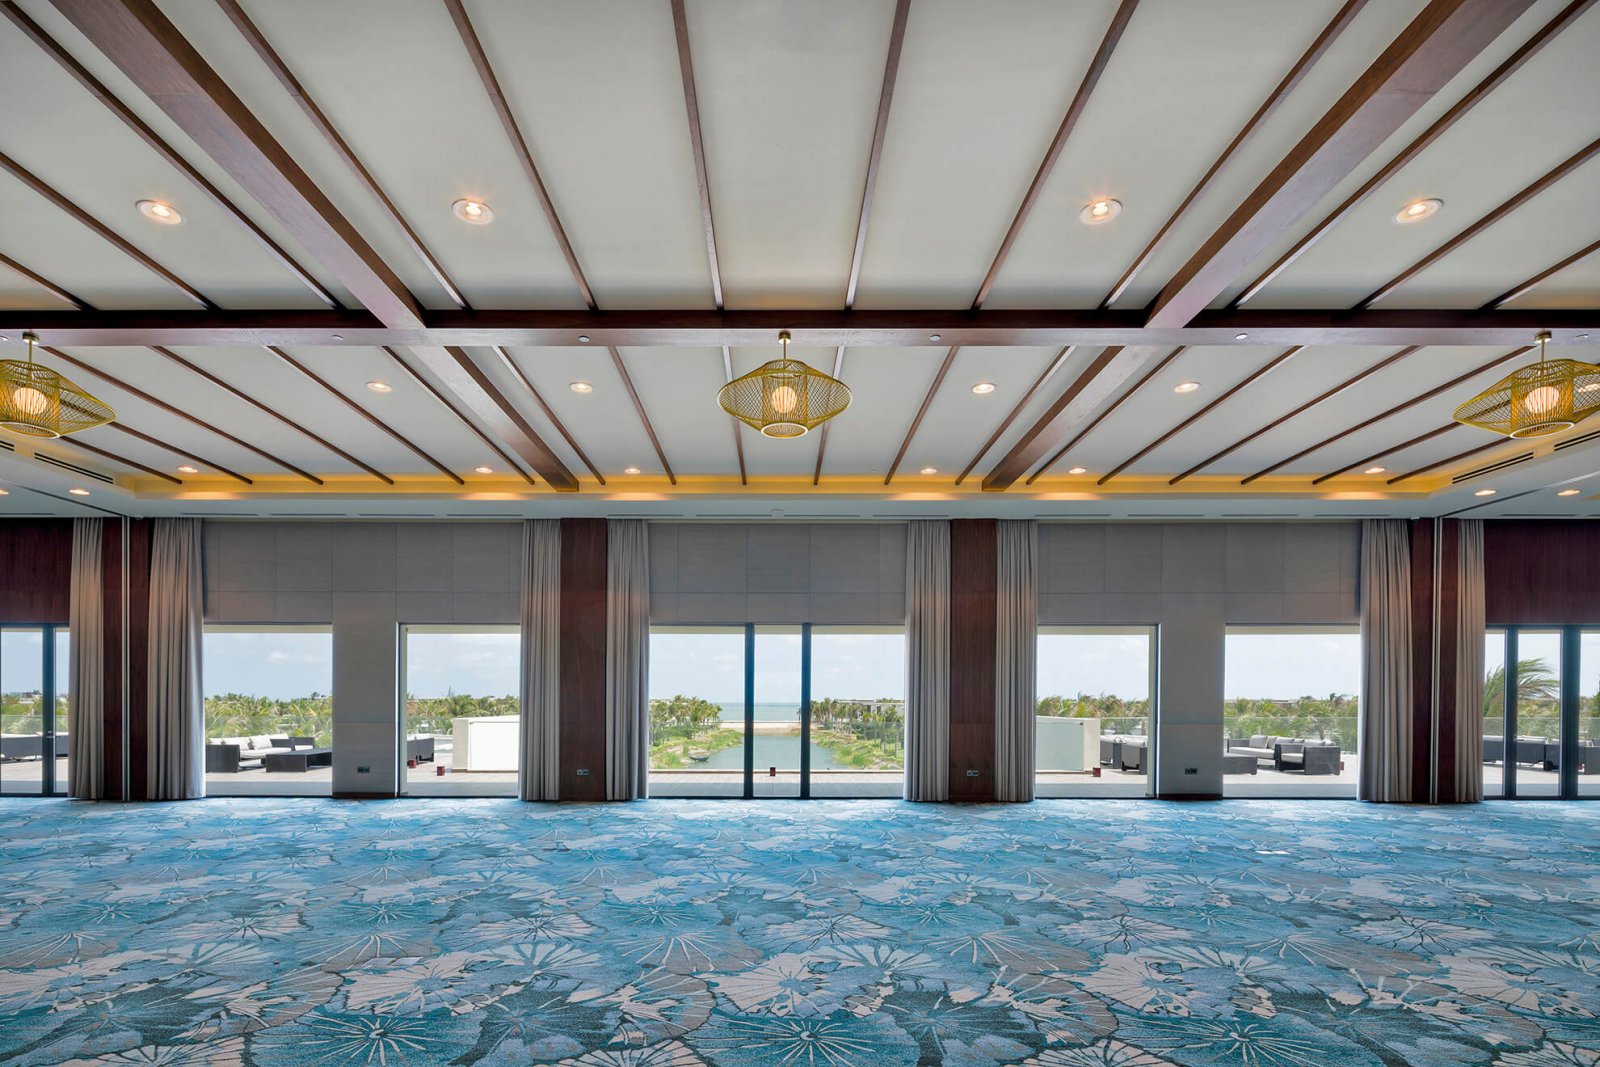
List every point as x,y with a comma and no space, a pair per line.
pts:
230,755
1288,753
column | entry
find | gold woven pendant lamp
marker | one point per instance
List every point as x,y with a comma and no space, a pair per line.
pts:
784,398
35,401
1538,400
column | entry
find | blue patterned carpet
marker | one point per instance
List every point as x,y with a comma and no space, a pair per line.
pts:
784,934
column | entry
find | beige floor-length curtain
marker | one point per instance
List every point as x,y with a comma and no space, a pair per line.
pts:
540,774
176,707
627,658
1016,656
1470,624
1386,711
928,660
86,726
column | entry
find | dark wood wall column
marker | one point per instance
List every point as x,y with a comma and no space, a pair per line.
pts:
1449,652
583,659
1435,597
973,605
111,655
36,571
138,645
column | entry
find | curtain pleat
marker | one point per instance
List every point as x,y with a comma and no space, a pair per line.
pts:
1016,652
1386,711
627,658
176,706
1470,625
540,774
86,727
928,660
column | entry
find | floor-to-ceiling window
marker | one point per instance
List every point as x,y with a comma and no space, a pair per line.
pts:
777,711
1494,713
1588,713
461,722
268,710
1291,711
1092,733
34,744
1541,734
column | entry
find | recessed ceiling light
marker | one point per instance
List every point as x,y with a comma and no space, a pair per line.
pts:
583,338
1569,492
1241,337
1374,470
186,469
484,470
630,470
581,387
337,337
473,211
1579,337
1078,470
1102,210
930,470
5,492
1418,210
380,387
936,337
983,388
1185,387
78,492
1485,492
159,211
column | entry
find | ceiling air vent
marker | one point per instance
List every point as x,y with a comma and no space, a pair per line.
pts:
8,446
1491,468
1585,439
74,468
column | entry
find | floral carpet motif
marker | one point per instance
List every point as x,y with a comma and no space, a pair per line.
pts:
794,934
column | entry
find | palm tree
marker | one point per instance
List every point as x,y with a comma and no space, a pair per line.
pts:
1536,682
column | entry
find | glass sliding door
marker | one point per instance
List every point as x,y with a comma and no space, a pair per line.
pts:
1092,733
461,726
1291,711
34,745
1494,714
780,742
697,711
1536,681
268,710
858,699
1587,760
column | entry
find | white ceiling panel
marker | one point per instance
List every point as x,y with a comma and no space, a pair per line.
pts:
1539,117
679,387
981,90
1573,287
788,94
614,150
959,421
603,422
1156,121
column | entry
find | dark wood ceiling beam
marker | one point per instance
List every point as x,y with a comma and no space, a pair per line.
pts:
1238,387
100,229
1302,409
822,444
810,327
1069,121
927,401
432,390
44,283
319,119
1094,385
144,44
1527,193
880,128
1525,287
519,144
1330,33
638,407
365,414
77,441
549,413
176,451
1449,460
142,130
738,437
271,411
1395,410
172,409
1392,450
1103,414
1017,409
691,101
1497,77
1434,48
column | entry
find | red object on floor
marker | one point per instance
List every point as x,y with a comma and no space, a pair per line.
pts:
439,770
772,772
412,764
1096,771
